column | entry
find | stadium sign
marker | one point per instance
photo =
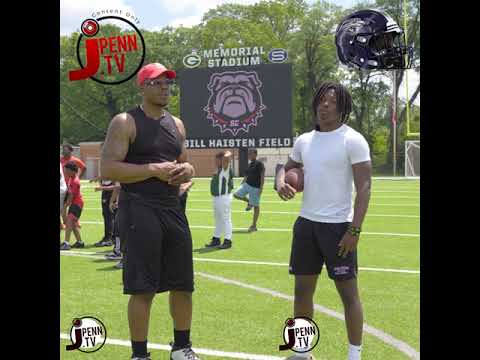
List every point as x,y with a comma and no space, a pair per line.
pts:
241,56
238,106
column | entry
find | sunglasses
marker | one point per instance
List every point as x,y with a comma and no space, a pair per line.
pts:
158,82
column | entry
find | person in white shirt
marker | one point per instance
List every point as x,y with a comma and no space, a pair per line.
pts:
221,186
334,157
63,189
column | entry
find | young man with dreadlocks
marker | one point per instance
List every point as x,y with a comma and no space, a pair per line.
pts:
334,157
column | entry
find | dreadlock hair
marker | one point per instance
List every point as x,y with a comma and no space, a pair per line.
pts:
344,99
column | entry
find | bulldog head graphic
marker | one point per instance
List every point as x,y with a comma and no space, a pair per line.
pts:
235,101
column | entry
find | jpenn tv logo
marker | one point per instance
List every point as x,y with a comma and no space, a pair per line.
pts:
88,334
300,334
111,58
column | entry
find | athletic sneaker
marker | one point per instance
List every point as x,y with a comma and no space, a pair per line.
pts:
141,358
65,246
104,242
214,243
183,354
114,256
227,244
119,265
252,228
78,245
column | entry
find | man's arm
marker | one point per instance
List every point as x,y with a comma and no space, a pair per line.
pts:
115,149
82,168
114,199
285,191
68,202
185,187
362,178
184,171
262,178
95,179
227,158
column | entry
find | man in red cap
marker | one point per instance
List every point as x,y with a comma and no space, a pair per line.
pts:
145,151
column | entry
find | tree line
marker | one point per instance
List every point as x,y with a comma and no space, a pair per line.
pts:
305,30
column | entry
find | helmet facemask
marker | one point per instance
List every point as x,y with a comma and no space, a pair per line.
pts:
389,51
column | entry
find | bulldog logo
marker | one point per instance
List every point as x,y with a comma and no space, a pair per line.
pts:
235,101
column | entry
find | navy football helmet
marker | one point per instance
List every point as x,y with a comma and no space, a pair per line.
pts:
372,40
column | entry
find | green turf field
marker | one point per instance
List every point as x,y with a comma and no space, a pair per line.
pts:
243,316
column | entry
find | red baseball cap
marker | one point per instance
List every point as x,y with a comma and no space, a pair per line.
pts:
153,70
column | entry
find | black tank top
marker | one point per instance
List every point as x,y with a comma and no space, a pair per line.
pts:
156,141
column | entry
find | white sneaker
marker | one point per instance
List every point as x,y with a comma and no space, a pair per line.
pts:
184,354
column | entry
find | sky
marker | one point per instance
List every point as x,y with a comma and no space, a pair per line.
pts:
155,14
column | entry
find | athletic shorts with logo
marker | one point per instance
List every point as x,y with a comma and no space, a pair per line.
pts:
157,247
315,244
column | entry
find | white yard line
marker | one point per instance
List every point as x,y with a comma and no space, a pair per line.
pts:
280,212
95,255
381,335
386,338
271,230
200,351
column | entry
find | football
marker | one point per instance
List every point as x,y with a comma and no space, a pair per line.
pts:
294,178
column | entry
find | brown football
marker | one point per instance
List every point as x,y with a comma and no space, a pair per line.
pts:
294,178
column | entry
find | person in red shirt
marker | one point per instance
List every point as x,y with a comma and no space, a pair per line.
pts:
67,150
75,206
67,156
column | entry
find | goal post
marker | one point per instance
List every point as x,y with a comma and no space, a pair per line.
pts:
412,158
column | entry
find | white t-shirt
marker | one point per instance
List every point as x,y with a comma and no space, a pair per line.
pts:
327,159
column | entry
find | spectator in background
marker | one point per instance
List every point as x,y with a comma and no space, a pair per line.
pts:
107,188
67,150
252,185
75,206
63,188
221,186
118,248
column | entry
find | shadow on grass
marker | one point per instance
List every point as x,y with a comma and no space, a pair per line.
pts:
109,268
104,251
245,231
99,261
206,250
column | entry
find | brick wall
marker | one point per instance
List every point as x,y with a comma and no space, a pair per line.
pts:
90,154
202,159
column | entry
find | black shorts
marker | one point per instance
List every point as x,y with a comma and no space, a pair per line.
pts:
75,210
183,201
157,247
315,243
